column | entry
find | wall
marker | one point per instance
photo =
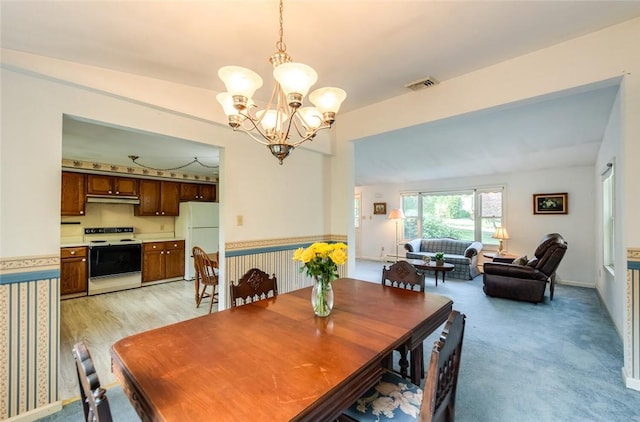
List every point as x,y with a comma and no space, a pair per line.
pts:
525,228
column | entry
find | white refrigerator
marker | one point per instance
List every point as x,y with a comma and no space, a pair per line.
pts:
198,224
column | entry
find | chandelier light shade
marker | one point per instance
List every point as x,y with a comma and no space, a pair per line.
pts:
501,234
284,123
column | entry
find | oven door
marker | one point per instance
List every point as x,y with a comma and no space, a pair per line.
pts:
111,260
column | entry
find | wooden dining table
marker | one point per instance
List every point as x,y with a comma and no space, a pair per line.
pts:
274,359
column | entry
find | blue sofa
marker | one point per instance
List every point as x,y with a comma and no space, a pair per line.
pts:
461,253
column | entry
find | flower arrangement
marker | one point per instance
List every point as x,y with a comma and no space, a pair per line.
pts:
439,256
321,262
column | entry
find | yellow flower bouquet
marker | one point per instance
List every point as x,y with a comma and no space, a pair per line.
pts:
321,262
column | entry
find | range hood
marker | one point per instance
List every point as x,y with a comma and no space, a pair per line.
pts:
113,199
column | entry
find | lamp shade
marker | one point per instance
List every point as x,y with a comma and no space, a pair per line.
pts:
240,80
310,117
396,214
295,77
501,233
328,100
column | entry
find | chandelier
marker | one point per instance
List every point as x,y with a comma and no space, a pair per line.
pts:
284,123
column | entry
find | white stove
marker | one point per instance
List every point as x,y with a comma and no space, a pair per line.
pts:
115,259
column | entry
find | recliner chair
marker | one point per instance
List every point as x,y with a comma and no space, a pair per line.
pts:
527,282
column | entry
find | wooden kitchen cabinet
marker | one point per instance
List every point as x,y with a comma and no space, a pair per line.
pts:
174,257
197,192
100,184
73,270
158,198
73,193
162,260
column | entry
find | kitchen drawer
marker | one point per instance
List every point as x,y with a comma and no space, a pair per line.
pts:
74,252
173,245
153,246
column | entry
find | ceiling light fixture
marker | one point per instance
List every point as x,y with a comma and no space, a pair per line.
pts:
134,158
284,117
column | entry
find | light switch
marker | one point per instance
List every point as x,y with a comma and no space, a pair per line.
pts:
239,220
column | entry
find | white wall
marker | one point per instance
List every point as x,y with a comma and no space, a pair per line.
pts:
525,228
611,287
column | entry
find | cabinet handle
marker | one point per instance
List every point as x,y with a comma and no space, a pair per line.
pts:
81,212
161,253
154,246
162,212
73,252
168,252
117,192
157,213
84,259
110,192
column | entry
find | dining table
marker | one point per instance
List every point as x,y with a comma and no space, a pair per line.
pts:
273,359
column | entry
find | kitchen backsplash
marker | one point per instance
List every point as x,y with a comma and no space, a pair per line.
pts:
117,215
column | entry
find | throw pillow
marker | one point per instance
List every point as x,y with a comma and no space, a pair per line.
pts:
521,260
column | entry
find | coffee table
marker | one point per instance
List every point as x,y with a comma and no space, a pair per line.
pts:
432,266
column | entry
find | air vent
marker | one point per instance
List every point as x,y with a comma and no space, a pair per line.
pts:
422,83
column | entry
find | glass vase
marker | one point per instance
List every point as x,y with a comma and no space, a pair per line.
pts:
322,297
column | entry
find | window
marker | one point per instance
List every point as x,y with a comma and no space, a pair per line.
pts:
465,215
608,217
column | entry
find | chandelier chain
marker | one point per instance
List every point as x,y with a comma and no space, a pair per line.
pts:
280,45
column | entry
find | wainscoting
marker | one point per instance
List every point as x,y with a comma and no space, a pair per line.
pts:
274,257
29,336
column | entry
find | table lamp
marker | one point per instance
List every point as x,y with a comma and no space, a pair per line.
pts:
396,214
501,234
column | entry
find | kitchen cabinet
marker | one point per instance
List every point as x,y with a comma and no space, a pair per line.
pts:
100,184
158,198
73,270
162,260
197,192
73,193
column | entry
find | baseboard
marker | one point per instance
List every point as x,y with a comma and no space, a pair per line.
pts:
577,283
38,413
632,383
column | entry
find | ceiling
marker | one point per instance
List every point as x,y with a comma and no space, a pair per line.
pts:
372,49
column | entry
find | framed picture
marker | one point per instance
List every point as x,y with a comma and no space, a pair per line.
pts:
550,203
380,208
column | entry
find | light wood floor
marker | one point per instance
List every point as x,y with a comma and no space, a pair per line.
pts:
102,320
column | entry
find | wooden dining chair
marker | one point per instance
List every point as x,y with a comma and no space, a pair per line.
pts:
207,275
94,398
254,285
395,398
403,275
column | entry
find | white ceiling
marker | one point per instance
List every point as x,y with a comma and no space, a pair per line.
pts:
369,48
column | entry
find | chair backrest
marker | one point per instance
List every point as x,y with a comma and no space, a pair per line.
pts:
204,267
254,285
549,253
439,397
94,398
404,275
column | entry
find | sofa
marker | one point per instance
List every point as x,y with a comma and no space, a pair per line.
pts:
527,280
463,254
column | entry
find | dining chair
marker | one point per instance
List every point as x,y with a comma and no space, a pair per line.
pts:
94,398
403,275
393,398
254,285
207,275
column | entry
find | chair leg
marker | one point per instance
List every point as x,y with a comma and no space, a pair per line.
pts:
203,294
